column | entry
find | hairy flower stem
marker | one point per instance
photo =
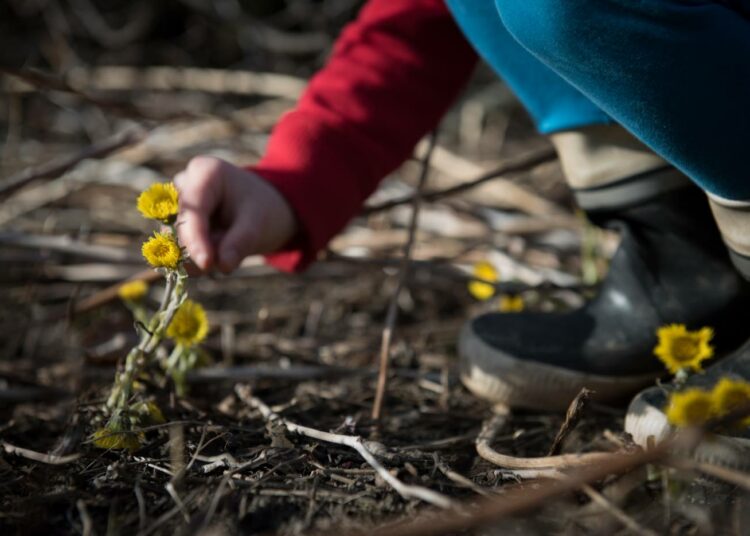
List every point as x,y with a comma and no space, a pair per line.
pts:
174,358
174,295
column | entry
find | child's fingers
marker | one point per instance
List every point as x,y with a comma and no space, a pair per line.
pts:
200,191
236,243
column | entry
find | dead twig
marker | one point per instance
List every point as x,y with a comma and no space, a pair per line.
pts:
50,459
616,512
540,467
733,476
178,502
522,163
573,415
69,246
109,294
392,315
42,80
405,490
255,372
460,479
523,498
168,78
57,167
86,530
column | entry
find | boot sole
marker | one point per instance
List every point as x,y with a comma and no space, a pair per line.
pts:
501,378
647,424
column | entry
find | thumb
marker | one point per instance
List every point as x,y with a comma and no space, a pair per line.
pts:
237,243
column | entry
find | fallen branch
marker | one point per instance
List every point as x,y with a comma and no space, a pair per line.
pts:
166,78
69,246
523,498
57,167
266,372
541,467
616,512
47,81
522,163
733,476
110,293
405,490
50,459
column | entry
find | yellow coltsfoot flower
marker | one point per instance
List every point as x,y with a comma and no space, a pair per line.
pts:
729,395
479,289
691,407
159,202
189,325
511,304
681,349
133,291
162,251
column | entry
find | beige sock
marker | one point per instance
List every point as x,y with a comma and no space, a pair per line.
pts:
608,167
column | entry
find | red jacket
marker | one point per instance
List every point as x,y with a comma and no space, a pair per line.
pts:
392,75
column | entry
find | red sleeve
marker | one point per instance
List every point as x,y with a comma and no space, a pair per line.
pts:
392,75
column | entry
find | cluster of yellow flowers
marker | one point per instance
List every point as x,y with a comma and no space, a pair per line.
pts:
683,351
160,202
695,407
178,318
482,288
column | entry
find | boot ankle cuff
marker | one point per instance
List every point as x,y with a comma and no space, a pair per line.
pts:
733,220
630,191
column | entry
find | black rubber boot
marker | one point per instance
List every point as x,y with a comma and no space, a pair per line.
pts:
671,267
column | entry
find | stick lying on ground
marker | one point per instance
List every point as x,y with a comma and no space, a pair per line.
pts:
50,459
523,498
55,168
541,467
392,314
405,490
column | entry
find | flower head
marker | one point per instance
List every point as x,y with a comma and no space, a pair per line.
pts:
159,202
729,395
189,325
511,304
487,272
691,407
679,348
133,291
162,251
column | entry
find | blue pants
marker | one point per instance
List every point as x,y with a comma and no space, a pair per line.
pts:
675,73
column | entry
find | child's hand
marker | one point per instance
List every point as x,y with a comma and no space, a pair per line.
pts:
228,213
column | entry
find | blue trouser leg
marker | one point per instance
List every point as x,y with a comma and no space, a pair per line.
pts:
551,101
676,73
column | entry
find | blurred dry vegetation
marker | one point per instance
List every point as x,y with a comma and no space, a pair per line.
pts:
99,99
